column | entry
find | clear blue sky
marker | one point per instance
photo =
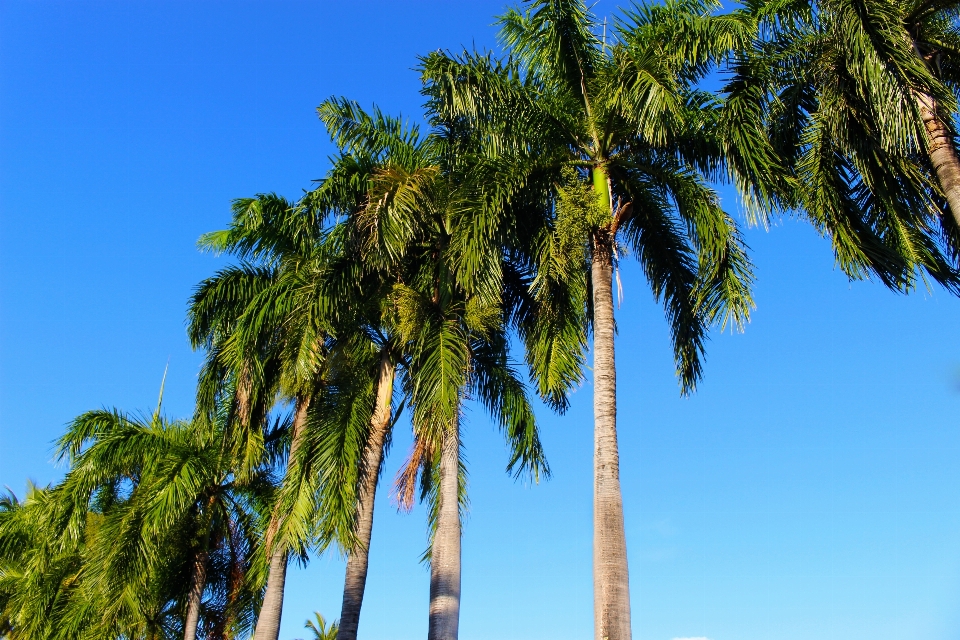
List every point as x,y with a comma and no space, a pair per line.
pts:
810,488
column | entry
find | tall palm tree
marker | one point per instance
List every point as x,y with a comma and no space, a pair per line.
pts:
278,312
449,316
355,294
620,145
259,356
858,97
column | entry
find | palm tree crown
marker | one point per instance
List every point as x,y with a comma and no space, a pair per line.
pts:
858,97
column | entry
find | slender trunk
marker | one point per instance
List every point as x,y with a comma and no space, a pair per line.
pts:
198,579
268,622
611,585
356,577
445,556
942,153
198,573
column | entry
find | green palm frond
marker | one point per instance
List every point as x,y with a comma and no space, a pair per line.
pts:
839,84
557,39
319,628
358,133
497,385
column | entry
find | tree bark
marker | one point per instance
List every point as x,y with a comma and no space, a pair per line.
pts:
356,577
611,588
268,622
198,573
445,556
943,154
198,579
244,391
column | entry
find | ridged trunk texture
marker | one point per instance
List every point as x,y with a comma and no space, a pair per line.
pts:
943,155
268,622
611,587
445,555
355,580
243,398
198,579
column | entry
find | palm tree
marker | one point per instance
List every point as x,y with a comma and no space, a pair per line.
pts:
858,97
261,357
355,293
184,492
318,626
277,323
150,535
39,569
448,315
615,145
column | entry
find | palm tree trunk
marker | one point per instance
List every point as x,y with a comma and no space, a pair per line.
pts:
244,388
356,577
611,588
268,622
198,579
942,153
198,574
445,555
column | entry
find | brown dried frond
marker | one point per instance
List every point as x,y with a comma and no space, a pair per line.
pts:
405,485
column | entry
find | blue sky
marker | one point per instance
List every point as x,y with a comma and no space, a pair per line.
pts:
809,489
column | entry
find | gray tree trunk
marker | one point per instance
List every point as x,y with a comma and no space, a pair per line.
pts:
943,155
445,555
198,579
355,580
268,622
611,587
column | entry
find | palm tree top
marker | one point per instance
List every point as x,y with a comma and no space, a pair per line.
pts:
319,628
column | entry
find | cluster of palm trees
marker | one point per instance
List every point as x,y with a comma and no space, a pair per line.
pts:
403,278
